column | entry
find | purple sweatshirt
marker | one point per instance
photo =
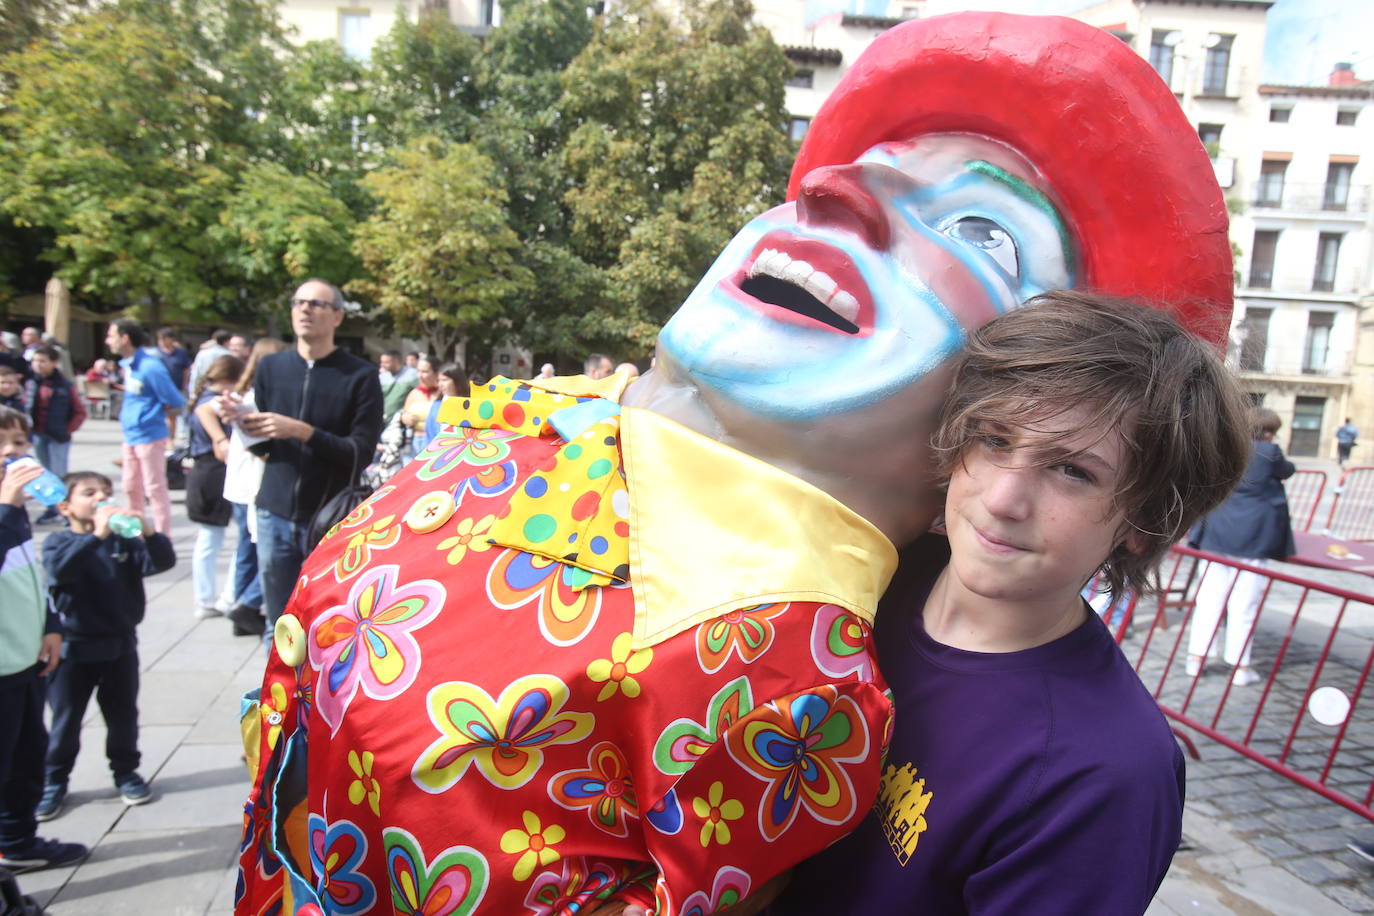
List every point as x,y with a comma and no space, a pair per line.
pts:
1040,781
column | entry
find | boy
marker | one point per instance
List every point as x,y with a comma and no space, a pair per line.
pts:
1029,770
97,586
11,392
57,411
30,648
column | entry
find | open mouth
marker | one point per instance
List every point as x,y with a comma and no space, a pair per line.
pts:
808,278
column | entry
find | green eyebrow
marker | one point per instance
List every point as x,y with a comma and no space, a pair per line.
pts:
1030,195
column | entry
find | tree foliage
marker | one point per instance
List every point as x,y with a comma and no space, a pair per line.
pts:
441,257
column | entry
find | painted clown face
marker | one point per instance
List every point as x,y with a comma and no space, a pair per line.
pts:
870,279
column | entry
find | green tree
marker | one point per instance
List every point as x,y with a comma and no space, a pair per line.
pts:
442,259
678,142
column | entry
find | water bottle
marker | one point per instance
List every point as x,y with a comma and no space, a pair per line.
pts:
47,487
126,526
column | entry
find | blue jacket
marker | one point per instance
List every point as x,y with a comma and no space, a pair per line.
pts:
148,392
97,587
60,406
1253,522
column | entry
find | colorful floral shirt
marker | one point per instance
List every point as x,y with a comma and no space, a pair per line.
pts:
572,653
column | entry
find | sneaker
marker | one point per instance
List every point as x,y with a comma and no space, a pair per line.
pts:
1192,666
1363,850
50,805
1244,677
247,621
224,604
134,790
49,517
206,611
39,853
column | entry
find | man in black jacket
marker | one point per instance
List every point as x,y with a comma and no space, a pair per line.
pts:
320,407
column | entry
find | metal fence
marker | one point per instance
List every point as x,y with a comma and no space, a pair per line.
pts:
1352,506
1313,646
1304,489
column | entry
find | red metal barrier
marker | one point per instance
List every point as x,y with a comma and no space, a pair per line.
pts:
1352,507
1304,489
1305,636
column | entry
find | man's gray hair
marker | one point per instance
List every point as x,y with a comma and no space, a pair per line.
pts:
334,290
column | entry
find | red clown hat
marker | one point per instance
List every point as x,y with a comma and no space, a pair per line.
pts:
1105,132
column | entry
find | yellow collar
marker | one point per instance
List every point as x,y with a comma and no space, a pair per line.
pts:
705,528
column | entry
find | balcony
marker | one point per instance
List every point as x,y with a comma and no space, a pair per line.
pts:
1298,197
1292,361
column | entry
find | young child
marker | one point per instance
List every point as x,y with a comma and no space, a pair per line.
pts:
11,391
1030,770
96,583
30,648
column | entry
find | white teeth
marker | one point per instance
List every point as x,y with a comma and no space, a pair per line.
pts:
844,305
774,263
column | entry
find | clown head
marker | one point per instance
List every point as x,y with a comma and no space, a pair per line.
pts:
964,164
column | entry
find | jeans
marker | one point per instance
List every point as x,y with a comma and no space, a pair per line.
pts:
281,551
51,453
115,685
247,584
204,561
145,474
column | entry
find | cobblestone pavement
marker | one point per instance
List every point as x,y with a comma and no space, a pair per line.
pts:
1259,843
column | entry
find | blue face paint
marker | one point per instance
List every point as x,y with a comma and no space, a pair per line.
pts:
804,315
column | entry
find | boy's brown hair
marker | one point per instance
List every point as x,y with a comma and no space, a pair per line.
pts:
1184,421
10,418
76,477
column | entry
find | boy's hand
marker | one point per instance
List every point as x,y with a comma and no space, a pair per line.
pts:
102,519
275,426
51,653
13,483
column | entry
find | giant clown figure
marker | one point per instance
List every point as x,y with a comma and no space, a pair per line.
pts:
604,644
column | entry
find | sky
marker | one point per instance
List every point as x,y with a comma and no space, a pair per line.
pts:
1305,38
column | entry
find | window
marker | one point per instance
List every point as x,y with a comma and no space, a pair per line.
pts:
1347,116
1254,338
1162,55
353,33
797,129
488,13
1280,114
1328,248
1262,258
1215,66
1318,341
1210,135
802,78
1337,193
1269,192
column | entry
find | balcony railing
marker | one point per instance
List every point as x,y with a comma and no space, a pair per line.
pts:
1310,197
1292,360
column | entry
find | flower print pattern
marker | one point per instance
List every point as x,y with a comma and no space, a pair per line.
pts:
566,616
273,713
746,632
573,889
716,811
665,815
840,643
361,512
455,446
368,643
303,694
604,790
505,738
731,885
357,552
534,845
486,482
469,534
684,742
364,785
616,674
451,885
799,747
337,851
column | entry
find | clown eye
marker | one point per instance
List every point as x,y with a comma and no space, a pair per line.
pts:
989,237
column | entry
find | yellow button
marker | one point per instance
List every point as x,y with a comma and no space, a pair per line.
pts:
289,637
430,511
